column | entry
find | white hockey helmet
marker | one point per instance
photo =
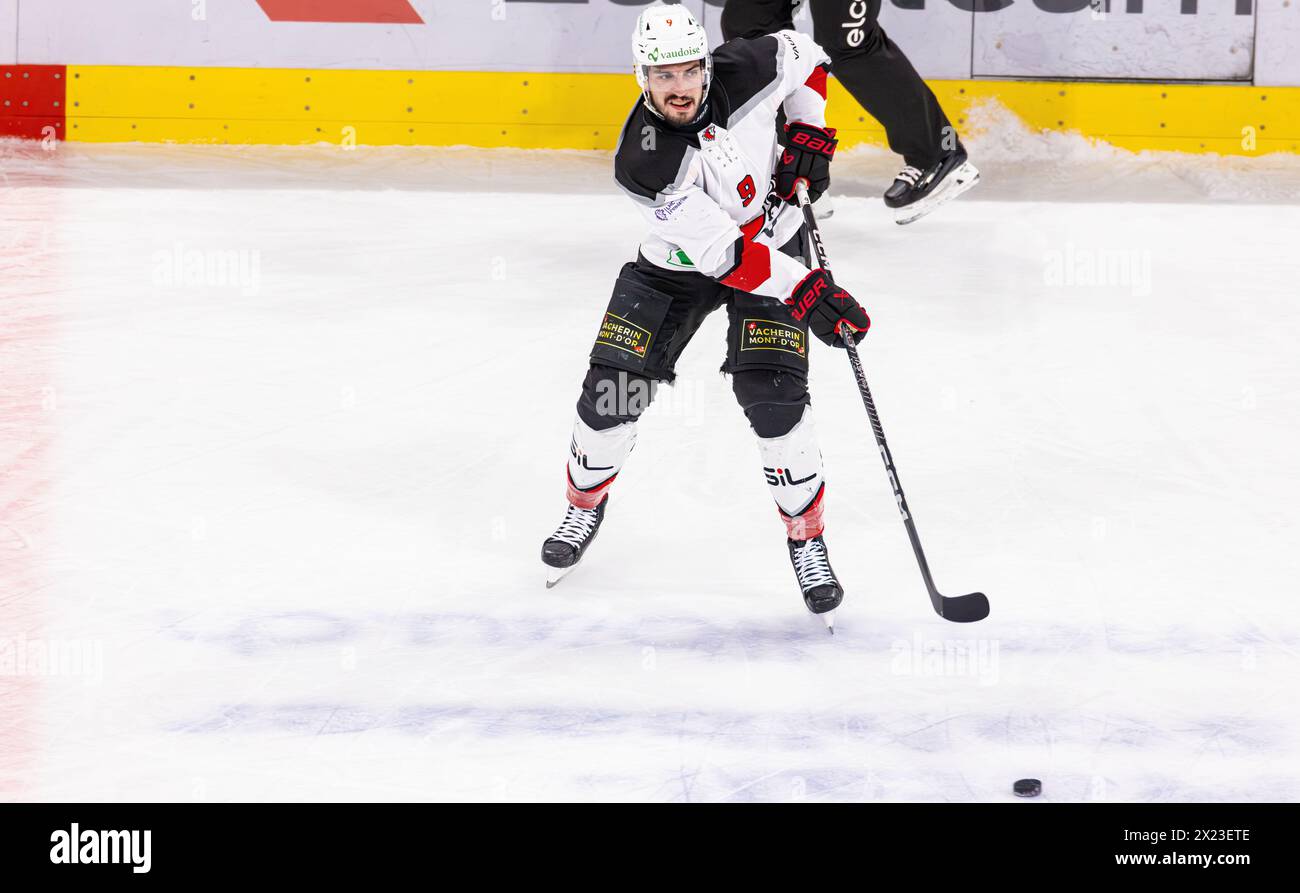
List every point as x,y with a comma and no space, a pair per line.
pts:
666,35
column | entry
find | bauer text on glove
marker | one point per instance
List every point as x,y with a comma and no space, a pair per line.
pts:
825,305
806,156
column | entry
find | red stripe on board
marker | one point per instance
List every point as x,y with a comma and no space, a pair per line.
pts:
33,100
387,12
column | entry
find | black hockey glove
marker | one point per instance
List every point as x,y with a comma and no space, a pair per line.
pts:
825,305
806,156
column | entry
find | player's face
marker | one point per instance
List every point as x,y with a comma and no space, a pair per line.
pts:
677,90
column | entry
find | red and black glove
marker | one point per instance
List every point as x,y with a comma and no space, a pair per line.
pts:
806,156
825,305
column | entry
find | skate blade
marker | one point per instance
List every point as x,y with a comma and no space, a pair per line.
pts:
960,180
556,574
829,619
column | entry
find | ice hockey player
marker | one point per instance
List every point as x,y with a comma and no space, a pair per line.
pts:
877,74
699,156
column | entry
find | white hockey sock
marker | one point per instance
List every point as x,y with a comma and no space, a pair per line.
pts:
595,458
792,464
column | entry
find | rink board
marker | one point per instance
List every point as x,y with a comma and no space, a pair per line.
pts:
587,111
32,99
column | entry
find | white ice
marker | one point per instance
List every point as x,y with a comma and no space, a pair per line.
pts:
276,534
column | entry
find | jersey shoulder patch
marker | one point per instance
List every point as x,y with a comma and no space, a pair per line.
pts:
747,70
649,160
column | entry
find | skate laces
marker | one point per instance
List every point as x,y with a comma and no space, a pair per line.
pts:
576,526
811,566
910,175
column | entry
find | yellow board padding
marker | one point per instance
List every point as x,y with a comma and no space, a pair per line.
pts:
1228,119
343,133
587,111
251,105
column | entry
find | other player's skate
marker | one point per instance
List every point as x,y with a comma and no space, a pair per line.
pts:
822,592
917,192
564,549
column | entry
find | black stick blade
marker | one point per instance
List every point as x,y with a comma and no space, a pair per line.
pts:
963,608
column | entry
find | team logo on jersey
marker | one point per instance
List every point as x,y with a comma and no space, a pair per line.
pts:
677,258
620,334
764,334
710,134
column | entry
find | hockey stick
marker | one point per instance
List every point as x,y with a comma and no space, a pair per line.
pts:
959,609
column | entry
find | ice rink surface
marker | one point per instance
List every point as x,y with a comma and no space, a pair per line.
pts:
282,430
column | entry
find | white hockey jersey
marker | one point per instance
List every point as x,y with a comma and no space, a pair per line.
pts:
706,189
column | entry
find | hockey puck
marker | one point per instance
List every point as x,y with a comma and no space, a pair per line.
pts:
1027,787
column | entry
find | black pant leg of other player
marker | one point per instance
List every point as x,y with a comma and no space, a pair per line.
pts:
869,65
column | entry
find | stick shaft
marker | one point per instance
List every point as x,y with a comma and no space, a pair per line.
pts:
864,390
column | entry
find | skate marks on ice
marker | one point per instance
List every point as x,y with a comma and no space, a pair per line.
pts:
685,708
777,636
757,755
